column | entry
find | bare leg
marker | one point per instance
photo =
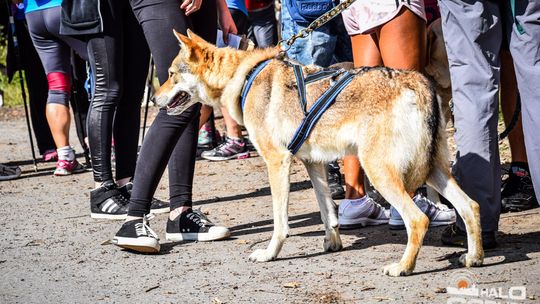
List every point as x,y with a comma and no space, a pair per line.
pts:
59,119
233,128
317,174
206,111
278,164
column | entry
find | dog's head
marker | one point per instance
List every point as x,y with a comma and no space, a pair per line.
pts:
184,87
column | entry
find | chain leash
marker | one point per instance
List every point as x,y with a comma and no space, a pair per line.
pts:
285,45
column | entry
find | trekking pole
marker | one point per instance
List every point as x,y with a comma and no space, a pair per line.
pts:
148,94
21,79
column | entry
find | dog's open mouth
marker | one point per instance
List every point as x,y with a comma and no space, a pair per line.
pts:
178,100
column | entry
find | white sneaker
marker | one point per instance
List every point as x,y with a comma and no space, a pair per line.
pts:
438,216
361,212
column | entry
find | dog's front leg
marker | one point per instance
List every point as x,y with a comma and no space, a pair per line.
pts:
317,174
278,164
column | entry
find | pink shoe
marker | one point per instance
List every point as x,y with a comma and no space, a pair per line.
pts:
50,155
66,167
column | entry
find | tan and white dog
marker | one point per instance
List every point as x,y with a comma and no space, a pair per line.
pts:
389,118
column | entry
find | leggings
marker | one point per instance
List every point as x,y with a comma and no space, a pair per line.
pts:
170,139
119,58
54,51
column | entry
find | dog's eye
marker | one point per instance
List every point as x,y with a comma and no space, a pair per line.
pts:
171,73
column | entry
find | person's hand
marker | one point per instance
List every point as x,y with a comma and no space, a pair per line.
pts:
225,20
190,6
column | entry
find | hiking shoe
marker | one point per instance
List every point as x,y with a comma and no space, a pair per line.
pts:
156,206
517,191
454,236
334,181
66,167
437,216
229,149
360,213
9,172
136,235
193,225
50,155
107,202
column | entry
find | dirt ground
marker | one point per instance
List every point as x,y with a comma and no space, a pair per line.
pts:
53,252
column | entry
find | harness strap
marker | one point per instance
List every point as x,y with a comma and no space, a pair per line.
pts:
249,81
301,87
322,74
316,111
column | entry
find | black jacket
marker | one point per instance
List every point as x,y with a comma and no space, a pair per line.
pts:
81,17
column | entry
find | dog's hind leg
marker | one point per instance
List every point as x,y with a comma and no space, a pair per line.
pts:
317,174
389,183
278,164
442,181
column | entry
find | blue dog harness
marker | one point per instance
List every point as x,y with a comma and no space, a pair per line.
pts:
319,107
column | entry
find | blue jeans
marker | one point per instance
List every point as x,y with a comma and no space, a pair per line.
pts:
326,45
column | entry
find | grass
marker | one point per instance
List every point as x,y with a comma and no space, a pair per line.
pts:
12,90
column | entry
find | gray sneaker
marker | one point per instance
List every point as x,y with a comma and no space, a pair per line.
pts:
360,213
229,149
438,216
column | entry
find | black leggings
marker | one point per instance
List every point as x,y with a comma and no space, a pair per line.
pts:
119,59
170,139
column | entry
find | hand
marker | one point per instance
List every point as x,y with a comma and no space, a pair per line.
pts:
191,6
225,20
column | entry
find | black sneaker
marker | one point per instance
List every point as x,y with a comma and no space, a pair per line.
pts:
9,172
193,225
107,202
453,236
136,235
157,206
517,190
334,181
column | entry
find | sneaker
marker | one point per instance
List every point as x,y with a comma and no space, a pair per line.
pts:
136,235
9,172
50,155
454,236
517,191
438,216
229,149
66,167
360,213
334,181
157,205
107,202
193,225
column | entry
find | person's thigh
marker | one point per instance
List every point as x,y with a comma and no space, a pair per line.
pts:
365,50
524,49
402,41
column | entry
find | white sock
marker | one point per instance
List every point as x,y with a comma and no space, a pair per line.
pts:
66,153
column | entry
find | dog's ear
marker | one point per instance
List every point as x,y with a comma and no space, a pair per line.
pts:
184,41
194,37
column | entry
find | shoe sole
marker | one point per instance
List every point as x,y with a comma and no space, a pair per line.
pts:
64,172
160,210
201,237
400,225
139,245
108,216
243,155
359,223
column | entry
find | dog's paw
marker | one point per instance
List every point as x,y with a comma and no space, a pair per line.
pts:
261,255
469,260
396,270
332,243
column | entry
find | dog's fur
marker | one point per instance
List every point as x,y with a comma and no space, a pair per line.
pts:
389,118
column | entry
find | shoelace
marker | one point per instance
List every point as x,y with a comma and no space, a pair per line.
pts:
199,218
143,229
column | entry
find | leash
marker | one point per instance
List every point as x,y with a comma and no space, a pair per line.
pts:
285,45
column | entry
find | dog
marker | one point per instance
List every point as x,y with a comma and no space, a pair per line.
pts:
390,118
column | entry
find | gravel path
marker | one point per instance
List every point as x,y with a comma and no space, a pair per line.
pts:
53,252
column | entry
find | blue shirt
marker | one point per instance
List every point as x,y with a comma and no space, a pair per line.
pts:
237,4
36,5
